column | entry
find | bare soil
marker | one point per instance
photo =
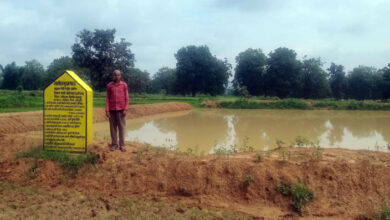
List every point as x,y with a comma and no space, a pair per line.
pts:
347,184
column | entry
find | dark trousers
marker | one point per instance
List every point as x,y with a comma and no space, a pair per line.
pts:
117,122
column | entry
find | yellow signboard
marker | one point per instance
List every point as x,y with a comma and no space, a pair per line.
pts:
67,114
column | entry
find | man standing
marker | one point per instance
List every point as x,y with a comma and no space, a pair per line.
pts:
117,104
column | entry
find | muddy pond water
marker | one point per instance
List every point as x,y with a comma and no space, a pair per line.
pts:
208,129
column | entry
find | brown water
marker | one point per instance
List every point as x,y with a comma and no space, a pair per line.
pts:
207,129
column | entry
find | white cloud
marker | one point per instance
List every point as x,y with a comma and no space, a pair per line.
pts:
348,32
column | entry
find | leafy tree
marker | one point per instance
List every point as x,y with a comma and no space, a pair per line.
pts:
164,81
338,81
99,52
137,80
200,72
385,85
1,76
283,76
361,82
315,84
11,76
59,66
250,71
32,75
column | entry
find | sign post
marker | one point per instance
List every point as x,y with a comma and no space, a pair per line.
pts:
67,114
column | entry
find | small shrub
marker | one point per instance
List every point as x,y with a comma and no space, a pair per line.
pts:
248,180
385,213
301,141
245,147
284,189
318,151
285,154
258,157
279,143
300,194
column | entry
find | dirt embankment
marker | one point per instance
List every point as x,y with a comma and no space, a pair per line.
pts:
347,184
32,121
19,131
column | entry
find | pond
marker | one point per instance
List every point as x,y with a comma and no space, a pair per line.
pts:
208,129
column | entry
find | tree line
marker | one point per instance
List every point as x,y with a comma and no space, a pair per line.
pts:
95,54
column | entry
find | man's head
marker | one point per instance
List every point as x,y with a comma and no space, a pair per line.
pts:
116,76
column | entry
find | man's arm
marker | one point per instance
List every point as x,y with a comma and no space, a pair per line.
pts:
126,99
107,103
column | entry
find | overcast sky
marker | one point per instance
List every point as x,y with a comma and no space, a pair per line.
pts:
347,32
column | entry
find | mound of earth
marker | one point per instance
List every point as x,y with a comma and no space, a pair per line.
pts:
346,183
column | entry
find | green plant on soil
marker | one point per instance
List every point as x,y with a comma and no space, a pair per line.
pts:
258,157
301,195
245,147
248,180
318,151
385,213
222,150
301,141
66,160
284,189
138,156
285,154
279,143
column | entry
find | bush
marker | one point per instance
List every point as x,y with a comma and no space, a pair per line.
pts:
300,194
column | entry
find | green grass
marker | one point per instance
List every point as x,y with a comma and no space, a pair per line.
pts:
303,104
66,160
15,101
385,213
277,104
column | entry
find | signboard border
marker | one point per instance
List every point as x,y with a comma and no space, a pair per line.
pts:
86,113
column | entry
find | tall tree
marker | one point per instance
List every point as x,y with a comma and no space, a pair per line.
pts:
1,76
164,81
99,52
32,75
137,80
283,76
315,84
250,70
60,65
361,82
385,85
338,81
11,76
200,72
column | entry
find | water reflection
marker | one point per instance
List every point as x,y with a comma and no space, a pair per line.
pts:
211,128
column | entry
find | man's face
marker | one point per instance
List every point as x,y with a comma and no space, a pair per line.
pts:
116,76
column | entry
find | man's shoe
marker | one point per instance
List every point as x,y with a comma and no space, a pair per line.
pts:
122,148
113,147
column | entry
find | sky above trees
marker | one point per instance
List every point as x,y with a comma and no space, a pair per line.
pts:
347,32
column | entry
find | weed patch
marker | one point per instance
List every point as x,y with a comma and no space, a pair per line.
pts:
300,194
66,160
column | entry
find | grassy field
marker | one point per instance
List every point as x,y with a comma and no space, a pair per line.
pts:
15,101
330,104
